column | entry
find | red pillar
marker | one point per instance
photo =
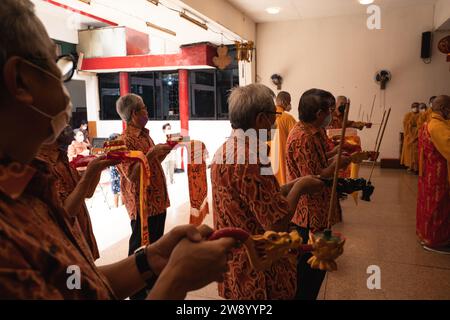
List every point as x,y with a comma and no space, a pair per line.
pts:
124,81
183,99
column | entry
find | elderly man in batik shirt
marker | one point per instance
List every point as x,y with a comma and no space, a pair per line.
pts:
247,195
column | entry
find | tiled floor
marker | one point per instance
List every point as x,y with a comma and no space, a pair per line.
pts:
379,233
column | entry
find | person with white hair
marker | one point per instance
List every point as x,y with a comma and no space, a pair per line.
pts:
247,195
40,255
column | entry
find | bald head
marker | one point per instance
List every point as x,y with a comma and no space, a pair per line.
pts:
284,100
441,105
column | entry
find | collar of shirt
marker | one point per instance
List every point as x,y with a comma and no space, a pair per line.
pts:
280,109
309,128
136,132
14,178
49,153
437,116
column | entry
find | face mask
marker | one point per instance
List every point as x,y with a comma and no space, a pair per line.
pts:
342,109
61,120
327,121
79,139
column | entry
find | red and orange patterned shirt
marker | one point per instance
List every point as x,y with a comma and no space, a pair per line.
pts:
307,155
66,179
244,198
41,246
157,195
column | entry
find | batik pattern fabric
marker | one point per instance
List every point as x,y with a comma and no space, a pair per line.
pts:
245,198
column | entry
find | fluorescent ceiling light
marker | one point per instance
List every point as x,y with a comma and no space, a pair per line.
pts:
154,26
366,1
273,10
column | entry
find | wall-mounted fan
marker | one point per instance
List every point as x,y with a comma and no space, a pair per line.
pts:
277,80
382,77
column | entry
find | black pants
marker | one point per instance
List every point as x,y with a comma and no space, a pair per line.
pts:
155,231
309,280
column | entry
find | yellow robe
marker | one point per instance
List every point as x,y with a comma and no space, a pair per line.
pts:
410,137
439,130
414,141
285,122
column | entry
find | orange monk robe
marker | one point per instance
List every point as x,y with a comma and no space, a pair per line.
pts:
406,150
413,141
285,122
424,117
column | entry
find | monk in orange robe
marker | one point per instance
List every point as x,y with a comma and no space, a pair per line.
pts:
284,124
410,132
433,199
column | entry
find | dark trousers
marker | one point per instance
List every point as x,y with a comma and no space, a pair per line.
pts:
309,280
156,230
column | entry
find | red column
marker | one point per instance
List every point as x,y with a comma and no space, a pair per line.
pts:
124,80
183,99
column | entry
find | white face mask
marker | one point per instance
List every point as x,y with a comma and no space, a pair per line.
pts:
327,121
61,120
58,122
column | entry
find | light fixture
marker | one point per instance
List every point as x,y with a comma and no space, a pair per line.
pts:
196,22
273,10
168,31
86,1
155,2
365,2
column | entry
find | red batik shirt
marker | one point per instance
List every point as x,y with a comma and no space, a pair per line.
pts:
66,179
41,245
157,196
244,198
306,155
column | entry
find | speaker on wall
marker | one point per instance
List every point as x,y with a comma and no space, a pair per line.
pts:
426,45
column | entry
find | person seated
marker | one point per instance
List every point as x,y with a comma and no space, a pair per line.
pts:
307,154
39,254
78,146
247,195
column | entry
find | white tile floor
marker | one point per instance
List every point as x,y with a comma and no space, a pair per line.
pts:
381,233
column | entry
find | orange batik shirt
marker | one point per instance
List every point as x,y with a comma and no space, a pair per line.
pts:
66,179
157,195
244,198
41,246
306,155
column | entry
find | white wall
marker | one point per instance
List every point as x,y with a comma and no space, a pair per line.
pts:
341,54
212,133
442,12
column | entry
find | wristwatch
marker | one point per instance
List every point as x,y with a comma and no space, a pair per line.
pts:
144,268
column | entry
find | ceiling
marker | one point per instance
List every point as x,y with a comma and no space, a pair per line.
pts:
134,14
307,9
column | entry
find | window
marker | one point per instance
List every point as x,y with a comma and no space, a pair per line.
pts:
210,90
170,101
143,84
203,94
109,87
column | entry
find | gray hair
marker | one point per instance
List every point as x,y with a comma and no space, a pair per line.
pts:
22,33
126,105
245,103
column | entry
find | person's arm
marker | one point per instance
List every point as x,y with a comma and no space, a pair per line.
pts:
71,153
328,172
85,188
180,259
304,185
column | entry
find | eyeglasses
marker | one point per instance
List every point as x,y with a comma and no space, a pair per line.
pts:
65,63
67,66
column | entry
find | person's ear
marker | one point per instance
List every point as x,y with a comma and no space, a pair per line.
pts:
16,80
